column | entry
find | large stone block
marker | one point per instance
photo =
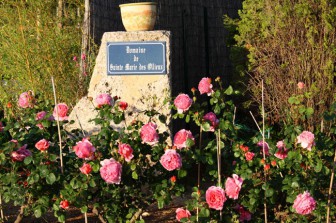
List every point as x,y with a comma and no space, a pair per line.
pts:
141,91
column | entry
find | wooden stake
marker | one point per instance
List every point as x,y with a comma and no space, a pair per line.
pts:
58,125
219,154
199,173
330,188
263,138
1,210
85,217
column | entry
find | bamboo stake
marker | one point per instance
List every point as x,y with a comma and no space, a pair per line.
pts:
1,210
85,217
58,124
263,138
330,188
199,173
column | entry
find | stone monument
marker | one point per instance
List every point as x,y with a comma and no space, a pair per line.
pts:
134,66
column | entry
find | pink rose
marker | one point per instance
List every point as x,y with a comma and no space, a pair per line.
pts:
300,85
304,203
42,145
148,134
84,149
40,126
64,204
181,213
20,154
1,127
126,151
233,186
213,120
26,100
104,99
181,137
249,156
281,153
111,171
306,139
86,168
182,103
40,115
205,86
60,112
244,214
264,146
280,144
215,197
171,160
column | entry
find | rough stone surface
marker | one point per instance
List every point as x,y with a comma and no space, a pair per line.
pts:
141,92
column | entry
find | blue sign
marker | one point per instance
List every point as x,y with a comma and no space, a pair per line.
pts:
136,58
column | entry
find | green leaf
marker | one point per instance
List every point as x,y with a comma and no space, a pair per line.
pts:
135,175
133,166
318,166
269,192
309,112
84,209
51,178
181,173
206,126
190,143
28,160
229,90
38,212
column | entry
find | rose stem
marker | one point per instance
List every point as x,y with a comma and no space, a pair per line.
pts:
219,166
330,187
199,174
58,125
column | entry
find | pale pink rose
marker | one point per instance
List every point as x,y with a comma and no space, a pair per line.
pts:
111,171
42,145
304,203
40,115
20,154
16,143
25,100
182,213
171,160
148,134
213,120
64,204
245,215
264,146
281,153
205,86
233,186
84,149
306,139
60,112
126,151
300,85
40,126
280,144
1,127
104,99
86,168
249,156
215,197
182,103
181,137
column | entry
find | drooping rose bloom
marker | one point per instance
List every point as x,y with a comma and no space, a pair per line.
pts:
123,105
205,86
20,154
182,102
60,112
300,85
111,171
148,133
25,100
84,149
126,151
104,99
171,160
215,197
244,215
249,156
64,204
304,203
264,146
213,120
233,186
181,137
42,145
306,139
86,168
40,115
182,213
282,151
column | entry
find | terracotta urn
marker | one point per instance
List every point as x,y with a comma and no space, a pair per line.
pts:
139,16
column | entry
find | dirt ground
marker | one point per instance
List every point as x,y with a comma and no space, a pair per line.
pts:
151,215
